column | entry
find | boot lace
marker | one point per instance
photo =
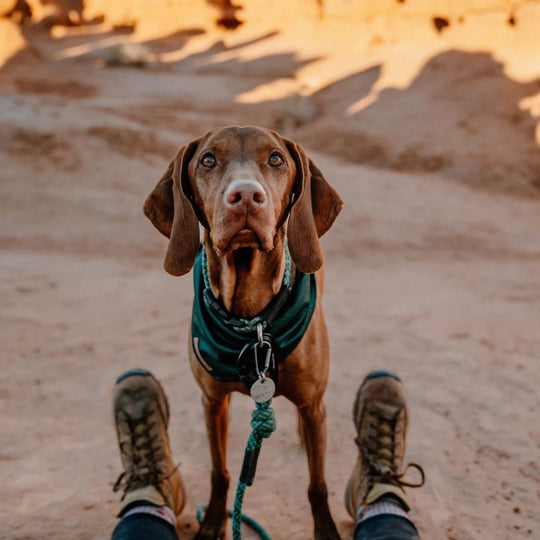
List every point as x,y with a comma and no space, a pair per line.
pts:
378,450
144,452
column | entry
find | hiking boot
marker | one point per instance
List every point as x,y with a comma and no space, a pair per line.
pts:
141,413
380,416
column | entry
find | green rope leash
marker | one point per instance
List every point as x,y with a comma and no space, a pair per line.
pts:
263,424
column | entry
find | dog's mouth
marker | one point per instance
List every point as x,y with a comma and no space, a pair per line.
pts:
244,238
233,232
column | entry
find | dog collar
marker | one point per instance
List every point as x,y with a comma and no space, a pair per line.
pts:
265,318
218,338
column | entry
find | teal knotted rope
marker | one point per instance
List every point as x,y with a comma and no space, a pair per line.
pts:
263,424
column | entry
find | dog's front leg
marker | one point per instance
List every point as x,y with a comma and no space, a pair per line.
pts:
216,412
313,427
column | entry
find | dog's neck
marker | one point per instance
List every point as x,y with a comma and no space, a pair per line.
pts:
246,280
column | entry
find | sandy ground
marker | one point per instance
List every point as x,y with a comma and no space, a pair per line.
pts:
433,268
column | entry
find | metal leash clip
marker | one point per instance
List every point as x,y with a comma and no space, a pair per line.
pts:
251,373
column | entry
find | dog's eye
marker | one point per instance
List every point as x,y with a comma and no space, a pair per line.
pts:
275,160
208,161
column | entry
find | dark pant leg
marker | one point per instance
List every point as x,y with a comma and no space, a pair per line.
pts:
144,527
386,527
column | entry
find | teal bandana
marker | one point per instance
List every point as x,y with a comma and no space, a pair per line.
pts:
218,338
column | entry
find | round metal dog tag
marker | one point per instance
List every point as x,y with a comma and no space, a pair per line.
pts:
262,390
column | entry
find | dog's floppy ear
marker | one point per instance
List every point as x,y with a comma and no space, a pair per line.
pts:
169,208
316,205
159,205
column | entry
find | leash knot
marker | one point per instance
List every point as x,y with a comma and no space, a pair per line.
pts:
263,421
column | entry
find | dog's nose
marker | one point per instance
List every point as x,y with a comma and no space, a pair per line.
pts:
243,195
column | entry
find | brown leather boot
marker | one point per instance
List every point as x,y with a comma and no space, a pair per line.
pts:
141,413
380,416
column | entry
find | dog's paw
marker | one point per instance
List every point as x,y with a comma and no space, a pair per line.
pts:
211,531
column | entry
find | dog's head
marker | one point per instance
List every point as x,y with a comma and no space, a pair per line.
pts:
243,184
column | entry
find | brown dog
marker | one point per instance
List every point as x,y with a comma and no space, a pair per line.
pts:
257,195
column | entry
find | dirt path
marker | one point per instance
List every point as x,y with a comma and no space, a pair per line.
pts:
426,276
